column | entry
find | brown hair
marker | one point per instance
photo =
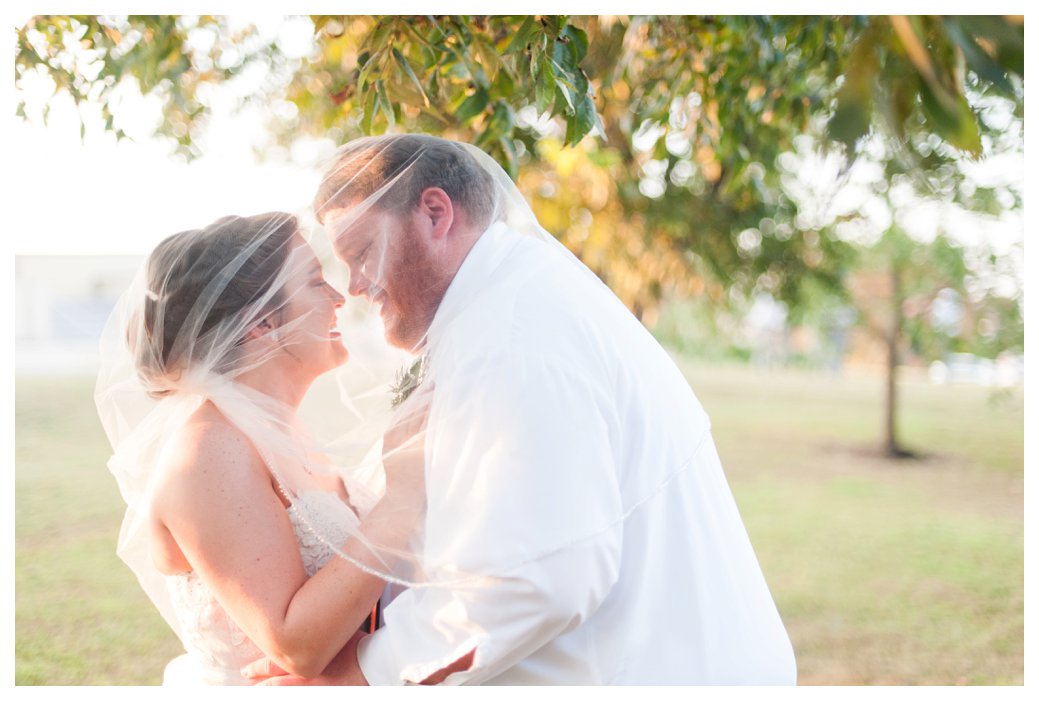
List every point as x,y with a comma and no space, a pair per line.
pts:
201,274
363,166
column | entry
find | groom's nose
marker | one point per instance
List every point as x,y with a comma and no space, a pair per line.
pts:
359,284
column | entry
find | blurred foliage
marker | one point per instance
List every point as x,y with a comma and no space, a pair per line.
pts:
932,171
941,311
649,145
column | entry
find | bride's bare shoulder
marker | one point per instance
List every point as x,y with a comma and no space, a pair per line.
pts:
208,442
210,468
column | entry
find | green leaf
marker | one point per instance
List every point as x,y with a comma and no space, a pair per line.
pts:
522,36
852,117
384,102
563,55
413,30
369,110
376,39
582,121
577,40
554,24
478,75
565,88
957,124
508,150
472,106
901,102
850,121
366,69
1007,39
434,83
505,85
544,84
571,130
410,74
499,124
562,104
977,60
489,58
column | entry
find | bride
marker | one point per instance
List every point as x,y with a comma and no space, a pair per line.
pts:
238,530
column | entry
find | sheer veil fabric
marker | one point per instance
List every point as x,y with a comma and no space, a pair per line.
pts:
208,311
145,397
369,191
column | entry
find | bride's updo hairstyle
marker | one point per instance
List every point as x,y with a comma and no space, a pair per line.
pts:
402,166
205,289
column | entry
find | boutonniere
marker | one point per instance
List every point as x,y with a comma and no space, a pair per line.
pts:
408,379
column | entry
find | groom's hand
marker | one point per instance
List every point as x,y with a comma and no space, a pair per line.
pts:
343,670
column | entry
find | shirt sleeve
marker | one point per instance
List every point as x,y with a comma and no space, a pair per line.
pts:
523,521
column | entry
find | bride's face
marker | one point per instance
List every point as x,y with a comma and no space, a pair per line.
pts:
308,320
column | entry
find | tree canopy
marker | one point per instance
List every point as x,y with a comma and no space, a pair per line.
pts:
652,146
669,152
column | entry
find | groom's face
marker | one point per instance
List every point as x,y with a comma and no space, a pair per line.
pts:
389,265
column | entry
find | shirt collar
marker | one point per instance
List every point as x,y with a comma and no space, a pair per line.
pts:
490,249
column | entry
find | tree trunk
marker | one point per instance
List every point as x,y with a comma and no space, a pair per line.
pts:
892,449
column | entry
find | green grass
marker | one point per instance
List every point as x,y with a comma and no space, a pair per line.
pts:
80,616
905,573
875,585
900,572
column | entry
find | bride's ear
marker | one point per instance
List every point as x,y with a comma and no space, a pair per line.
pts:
264,328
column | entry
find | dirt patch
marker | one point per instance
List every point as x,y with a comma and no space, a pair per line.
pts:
950,481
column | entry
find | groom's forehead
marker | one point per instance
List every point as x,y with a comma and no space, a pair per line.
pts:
360,223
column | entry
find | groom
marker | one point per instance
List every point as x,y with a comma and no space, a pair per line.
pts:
566,453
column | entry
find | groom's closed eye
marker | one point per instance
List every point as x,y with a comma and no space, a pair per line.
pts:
345,251
357,259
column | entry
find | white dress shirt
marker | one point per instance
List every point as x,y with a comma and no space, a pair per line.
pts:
567,456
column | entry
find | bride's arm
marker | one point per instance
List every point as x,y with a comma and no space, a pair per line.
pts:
221,508
334,483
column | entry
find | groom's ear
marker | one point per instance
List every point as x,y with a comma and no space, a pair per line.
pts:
435,205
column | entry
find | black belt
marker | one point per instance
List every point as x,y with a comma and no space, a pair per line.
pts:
374,619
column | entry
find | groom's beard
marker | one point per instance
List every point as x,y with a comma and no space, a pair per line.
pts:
414,286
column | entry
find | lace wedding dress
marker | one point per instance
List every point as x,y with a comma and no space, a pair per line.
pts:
216,648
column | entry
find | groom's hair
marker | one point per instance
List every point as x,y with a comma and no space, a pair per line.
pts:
415,162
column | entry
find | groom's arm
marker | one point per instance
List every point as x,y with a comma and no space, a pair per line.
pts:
343,670
496,626
522,487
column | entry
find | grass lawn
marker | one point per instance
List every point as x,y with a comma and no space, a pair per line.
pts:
903,573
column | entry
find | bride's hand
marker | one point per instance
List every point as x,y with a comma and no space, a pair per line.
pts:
342,670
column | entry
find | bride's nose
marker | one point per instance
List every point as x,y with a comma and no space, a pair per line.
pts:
337,298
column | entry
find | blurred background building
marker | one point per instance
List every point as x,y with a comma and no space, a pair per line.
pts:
61,305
